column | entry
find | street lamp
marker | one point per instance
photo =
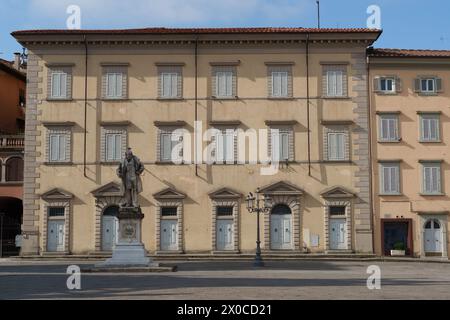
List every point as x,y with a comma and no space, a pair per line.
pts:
258,205
1,234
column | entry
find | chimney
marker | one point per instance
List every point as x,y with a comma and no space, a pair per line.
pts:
17,60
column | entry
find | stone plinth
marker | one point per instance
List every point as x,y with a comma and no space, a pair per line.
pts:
129,250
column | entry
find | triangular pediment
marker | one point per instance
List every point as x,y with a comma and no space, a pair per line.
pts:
225,193
169,193
337,192
281,188
111,189
57,194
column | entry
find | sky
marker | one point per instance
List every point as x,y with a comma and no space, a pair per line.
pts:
415,24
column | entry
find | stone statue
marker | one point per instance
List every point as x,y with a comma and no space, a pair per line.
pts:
130,170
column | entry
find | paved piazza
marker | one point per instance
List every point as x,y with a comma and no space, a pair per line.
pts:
231,280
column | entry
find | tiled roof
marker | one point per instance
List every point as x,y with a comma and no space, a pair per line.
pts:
197,31
409,53
8,66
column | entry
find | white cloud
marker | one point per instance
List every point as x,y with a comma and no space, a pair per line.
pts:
119,13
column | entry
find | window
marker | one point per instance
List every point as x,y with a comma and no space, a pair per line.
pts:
428,85
429,128
58,147
431,183
56,212
114,83
224,81
114,143
279,84
171,145
387,84
388,130
225,146
337,210
58,85
14,169
22,98
390,178
280,81
282,144
224,211
336,146
169,211
170,83
335,81
113,147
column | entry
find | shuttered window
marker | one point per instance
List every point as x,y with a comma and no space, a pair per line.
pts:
57,147
390,178
429,128
225,146
336,146
58,85
114,83
431,183
113,147
388,128
169,84
280,144
224,84
169,141
428,85
334,81
279,84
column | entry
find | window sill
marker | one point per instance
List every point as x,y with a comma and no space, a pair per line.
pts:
115,99
58,164
281,98
338,161
225,98
431,194
425,141
11,183
168,163
391,194
336,98
110,163
391,141
387,93
170,99
425,94
59,99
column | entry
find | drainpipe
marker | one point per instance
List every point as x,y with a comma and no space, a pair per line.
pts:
307,104
371,198
85,105
196,105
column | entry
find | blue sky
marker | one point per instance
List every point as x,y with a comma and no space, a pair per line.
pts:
406,23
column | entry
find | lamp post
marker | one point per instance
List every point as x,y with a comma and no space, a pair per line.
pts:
258,205
1,234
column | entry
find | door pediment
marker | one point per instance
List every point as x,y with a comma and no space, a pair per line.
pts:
337,192
225,193
57,194
111,189
169,193
282,188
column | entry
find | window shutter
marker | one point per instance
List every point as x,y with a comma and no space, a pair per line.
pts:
54,147
376,84
284,144
439,85
166,146
56,85
174,85
417,85
276,84
398,85
339,83
275,139
427,179
229,147
386,179
220,146
284,84
63,84
119,85
118,147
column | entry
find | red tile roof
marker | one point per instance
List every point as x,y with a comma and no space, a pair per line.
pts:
197,31
413,53
8,66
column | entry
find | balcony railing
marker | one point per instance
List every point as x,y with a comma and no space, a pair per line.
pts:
12,142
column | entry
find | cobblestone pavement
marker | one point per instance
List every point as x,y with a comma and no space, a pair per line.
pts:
231,280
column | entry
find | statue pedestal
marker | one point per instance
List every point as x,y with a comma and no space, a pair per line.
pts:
129,250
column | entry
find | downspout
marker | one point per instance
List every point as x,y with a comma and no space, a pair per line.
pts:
371,198
85,105
196,105
307,105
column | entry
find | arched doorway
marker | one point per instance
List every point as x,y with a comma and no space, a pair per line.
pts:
110,227
281,227
10,225
433,237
